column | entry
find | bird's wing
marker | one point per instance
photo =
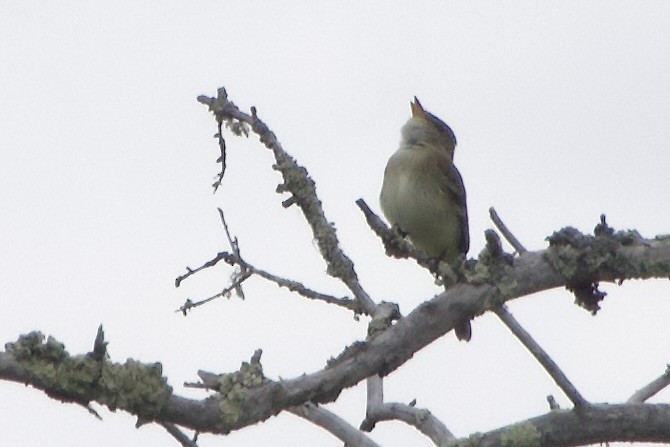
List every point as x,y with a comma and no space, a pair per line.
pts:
452,185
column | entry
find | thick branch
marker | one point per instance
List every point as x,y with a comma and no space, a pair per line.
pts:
384,353
589,425
532,272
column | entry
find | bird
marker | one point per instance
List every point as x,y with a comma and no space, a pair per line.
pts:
423,195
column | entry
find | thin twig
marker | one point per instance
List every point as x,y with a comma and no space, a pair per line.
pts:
541,356
188,305
235,246
232,241
647,391
222,256
514,242
300,289
221,159
247,270
293,286
179,435
94,413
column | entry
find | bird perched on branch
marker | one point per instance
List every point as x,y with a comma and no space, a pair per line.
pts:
423,194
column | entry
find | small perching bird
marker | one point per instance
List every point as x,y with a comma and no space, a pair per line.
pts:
423,193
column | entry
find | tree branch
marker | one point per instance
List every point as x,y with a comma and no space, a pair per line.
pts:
594,424
541,356
184,440
334,424
532,272
394,244
247,270
419,418
649,390
585,425
303,193
235,286
514,242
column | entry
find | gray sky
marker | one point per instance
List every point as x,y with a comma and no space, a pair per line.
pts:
561,113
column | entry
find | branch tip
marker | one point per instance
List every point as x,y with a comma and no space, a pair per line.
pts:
513,241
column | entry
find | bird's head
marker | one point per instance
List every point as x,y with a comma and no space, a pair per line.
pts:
424,128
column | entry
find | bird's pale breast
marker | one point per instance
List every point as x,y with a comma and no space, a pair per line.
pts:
412,199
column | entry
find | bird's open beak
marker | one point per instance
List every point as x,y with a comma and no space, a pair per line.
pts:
417,109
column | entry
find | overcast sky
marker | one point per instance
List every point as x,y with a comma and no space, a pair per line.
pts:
561,111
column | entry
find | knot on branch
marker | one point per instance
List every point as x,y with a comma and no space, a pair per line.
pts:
384,315
226,112
583,259
232,385
236,387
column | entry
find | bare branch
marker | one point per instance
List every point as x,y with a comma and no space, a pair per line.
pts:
375,399
179,435
377,410
541,356
334,424
419,418
247,270
235,286
232,241
649,390
303,193
222,256
295,286
514,242
221,159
